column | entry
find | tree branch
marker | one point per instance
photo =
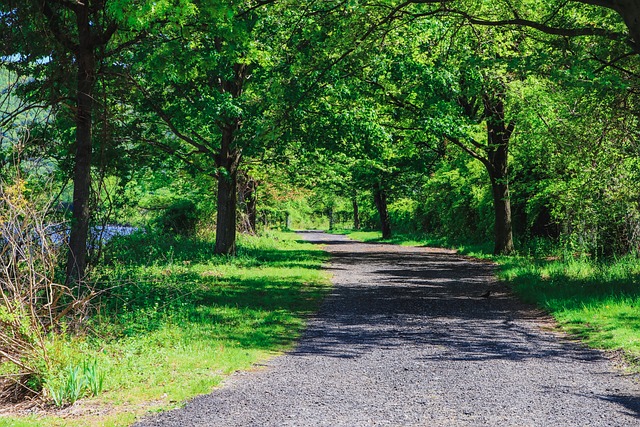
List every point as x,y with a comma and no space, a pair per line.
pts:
183,158
258,5
566,32
167,119
469,151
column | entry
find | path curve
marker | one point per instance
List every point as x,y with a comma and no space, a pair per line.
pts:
405,339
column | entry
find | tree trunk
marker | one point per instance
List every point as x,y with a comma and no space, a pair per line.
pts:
356,214
227,163
247,202
629,10
631,16
380,199
332,219
251,200
85,57
502,214
498,136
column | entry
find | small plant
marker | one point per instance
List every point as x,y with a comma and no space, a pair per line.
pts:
77,381
57,394
75,384
94,377
179,218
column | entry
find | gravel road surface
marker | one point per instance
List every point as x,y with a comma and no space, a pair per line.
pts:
406,339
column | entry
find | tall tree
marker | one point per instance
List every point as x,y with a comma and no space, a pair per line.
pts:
205,88
43,33
453,92
494,155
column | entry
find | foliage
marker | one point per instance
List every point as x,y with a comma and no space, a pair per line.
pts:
75,382
180,217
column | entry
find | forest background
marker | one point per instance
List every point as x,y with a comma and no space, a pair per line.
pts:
138,137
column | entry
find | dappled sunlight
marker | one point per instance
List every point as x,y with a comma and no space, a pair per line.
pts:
417,297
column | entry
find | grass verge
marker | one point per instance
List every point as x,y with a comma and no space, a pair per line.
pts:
175,320
597,302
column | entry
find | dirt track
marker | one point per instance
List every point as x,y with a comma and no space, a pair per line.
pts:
405,339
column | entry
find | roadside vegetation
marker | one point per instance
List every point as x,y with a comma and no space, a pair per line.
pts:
173,321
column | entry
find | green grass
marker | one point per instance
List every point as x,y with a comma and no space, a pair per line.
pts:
175,320
597,302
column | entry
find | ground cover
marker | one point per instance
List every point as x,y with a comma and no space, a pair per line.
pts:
596,301
175,320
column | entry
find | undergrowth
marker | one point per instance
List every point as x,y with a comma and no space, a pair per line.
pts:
597,301
174,320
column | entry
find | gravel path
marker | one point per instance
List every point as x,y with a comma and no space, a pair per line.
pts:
405,339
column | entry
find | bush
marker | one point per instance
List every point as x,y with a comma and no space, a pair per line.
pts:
403,215
457,203
180,217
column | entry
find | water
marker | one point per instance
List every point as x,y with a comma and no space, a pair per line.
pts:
109,231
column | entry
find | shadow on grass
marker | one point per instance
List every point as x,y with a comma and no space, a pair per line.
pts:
259,312
555,282
144,249
258,300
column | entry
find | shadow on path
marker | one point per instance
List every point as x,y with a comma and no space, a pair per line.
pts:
406,339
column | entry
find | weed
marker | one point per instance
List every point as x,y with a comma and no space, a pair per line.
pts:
75,384
93,376
57,394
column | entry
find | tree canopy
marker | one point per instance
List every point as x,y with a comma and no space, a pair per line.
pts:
379,105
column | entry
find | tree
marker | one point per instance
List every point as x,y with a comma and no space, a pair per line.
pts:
629,10
205,88
454,93
557,18
55,34
494,155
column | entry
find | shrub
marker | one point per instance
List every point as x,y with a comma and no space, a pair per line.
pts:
403,215
180,217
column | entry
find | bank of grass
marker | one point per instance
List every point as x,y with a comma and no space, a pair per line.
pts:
596,301
175,320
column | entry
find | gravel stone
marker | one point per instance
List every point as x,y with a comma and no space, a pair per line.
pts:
406,339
